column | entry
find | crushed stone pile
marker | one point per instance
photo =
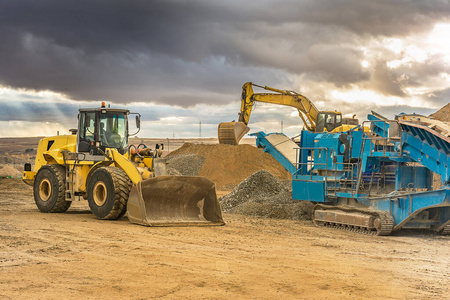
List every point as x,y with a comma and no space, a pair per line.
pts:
9,170
188,164
263,195
228,165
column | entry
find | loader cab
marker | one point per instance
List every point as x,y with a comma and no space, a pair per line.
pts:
102,128
328,121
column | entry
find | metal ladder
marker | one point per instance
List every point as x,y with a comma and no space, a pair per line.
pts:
69,193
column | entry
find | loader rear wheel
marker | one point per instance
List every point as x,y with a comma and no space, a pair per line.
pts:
108,190
49,189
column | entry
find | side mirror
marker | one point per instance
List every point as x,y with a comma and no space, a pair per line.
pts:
138,121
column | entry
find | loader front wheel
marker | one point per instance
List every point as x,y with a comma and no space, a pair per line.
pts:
108,190
49,189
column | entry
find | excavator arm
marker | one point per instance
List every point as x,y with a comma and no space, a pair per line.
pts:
306,109
232,132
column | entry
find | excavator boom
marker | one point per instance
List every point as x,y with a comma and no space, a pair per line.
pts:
232,132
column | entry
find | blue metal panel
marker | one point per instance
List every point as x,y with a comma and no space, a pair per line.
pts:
356,143
324,159
306,143
417,177
360,197
380,127
428,136
308,190
428,155
404,207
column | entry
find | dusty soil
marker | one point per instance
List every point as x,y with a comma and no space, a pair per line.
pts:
76,256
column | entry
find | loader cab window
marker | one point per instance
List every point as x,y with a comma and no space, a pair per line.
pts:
113,130
108,129
86,131
328,121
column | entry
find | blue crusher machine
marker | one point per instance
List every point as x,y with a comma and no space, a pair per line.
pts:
376,181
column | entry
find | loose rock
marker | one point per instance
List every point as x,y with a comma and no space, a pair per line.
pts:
263,195
188,164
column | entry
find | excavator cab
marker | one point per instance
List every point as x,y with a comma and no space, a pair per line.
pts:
328,121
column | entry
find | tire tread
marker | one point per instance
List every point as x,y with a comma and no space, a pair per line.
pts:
122,188
61,204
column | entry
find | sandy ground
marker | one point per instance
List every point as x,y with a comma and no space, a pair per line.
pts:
76,256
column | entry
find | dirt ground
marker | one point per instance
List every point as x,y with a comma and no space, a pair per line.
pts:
76,256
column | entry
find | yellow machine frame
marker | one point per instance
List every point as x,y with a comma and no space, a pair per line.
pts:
51,150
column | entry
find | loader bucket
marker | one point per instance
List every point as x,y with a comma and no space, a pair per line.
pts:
231,132
174,201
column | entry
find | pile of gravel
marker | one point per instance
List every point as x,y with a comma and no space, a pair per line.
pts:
185,164
261,194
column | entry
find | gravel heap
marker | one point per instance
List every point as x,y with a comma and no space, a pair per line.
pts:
188,164
263,195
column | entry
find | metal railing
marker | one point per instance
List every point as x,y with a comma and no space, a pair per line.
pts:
343,177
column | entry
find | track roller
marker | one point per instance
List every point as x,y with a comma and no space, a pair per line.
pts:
353,219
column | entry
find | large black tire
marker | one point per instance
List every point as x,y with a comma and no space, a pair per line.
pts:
108,190
49,189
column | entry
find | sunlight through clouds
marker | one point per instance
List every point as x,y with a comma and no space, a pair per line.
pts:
393,56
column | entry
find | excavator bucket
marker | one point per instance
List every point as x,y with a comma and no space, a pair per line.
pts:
232,132
174,201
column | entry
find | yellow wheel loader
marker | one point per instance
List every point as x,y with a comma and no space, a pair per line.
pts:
314,120
97,163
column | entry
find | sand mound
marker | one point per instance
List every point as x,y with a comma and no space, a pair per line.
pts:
228,165
263,195
8,170
443,114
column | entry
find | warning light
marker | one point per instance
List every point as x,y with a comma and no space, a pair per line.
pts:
103,104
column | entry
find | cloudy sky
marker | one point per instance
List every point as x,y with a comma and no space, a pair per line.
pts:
183,62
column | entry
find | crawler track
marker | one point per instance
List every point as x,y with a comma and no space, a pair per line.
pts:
446,230
353,219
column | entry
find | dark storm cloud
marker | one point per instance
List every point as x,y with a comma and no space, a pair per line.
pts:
189,52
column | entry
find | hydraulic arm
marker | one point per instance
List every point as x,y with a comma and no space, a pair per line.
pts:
306,109
314,120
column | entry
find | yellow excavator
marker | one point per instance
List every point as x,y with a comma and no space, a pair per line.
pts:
317,121
97,163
